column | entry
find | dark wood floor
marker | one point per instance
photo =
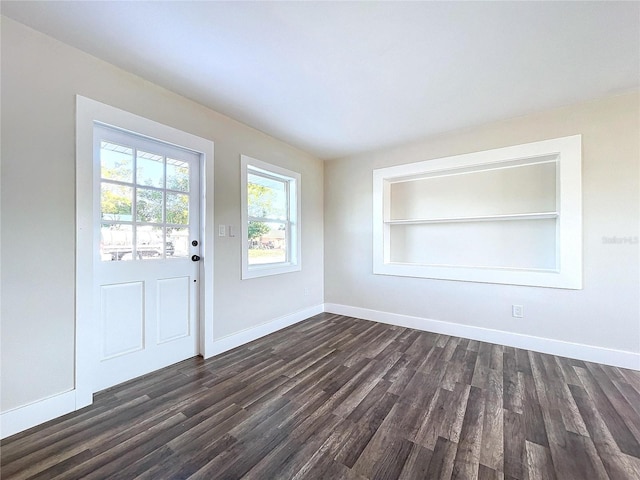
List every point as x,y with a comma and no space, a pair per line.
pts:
336,397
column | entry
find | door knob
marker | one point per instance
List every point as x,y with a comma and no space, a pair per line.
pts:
195,258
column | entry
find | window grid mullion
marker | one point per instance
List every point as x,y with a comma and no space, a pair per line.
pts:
116,182
164,207
134,207
267,220
287,227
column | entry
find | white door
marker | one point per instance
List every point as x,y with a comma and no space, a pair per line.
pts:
147,246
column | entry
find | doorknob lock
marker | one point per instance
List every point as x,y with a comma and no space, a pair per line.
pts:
195,258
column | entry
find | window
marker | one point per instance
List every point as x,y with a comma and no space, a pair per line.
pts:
147,196
511,215
270,219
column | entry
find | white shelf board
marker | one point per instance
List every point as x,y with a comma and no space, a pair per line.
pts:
482,218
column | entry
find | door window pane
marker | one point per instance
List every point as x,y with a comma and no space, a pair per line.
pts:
116,162
115,202
145,195
149,205
149,242
149,169
177,242
177,208
267,242
177,175
116,242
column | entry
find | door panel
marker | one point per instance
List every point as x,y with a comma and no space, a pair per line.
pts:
173,309
146,221
122,313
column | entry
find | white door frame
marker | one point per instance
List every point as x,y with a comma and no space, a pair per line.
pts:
88,112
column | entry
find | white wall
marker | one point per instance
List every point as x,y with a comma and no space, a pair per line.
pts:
606,313
40,78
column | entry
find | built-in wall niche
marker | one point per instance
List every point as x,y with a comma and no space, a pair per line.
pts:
510,215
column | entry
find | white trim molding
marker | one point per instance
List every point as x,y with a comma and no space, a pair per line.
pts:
245,336
22,418
589,353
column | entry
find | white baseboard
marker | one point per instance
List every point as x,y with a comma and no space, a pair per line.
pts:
589,353
22,418
245,336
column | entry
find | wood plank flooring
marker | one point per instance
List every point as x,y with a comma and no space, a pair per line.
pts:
340,398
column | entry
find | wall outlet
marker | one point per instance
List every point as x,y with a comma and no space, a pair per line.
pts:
517,311
222,230
306,292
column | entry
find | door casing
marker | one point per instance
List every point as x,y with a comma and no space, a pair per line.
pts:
88,113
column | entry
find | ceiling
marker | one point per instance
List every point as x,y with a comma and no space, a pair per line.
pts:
339,78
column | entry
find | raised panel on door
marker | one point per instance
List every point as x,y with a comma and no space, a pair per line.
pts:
173,309
122,315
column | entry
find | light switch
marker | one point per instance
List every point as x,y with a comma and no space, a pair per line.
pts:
221,230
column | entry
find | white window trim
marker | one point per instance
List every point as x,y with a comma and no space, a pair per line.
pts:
568,274
293,262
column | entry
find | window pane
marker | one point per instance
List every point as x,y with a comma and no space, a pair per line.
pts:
177,175
115,202
177,242
267,198
149,242
149,205
116,242
149,169
267,243
116,162
177,208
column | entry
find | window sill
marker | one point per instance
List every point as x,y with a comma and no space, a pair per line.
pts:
268,270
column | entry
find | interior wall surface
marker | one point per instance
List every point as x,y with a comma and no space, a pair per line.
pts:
605,313
40,80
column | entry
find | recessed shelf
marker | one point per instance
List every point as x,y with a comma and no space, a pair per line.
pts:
481,218
510,215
